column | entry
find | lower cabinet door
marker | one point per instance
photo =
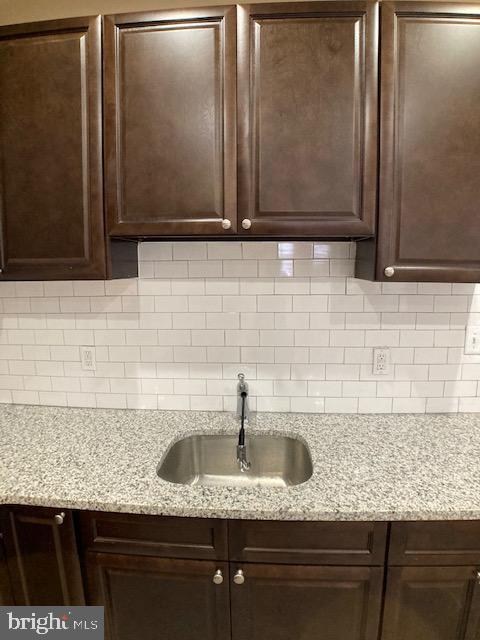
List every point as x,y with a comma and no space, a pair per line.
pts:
148,598
432,603
292,602
41,555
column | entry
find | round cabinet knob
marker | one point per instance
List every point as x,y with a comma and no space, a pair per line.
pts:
478,577
389,272
226,224
59,518
1,270
239,578
218,577
246,224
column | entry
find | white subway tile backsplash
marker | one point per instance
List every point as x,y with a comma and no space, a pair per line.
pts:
346,303
287,314
451,303
223,286
293,286
393,389
342,372
259,250
296,250
328,286
362,321
427,389
310,303
324,388
375,405
311,268
341,405
290,388
307,405
442,405
330,355
416,303
292,321
311,338
205,303
409,405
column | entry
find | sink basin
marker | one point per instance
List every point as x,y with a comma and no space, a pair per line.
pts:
210,460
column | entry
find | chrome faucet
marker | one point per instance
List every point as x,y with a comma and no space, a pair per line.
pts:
242,413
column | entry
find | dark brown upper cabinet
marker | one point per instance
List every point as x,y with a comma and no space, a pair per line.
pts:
429,223
51,193
307,94
170,133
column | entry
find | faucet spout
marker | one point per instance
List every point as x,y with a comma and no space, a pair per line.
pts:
242,410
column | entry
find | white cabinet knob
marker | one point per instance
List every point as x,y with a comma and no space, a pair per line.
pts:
246,223
389,272
239,578
59,518
226,224
218,577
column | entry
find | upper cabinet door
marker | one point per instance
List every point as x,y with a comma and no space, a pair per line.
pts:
170,129
429,222
307,92
51,198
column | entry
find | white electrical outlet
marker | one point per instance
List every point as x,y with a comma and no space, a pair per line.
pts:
472,340
381,361
87,355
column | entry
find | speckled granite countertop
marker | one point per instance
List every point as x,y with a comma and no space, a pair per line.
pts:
386,467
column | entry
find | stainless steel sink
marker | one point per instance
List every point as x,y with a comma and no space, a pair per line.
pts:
276,461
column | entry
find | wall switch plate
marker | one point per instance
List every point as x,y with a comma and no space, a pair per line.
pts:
381,361
87,355
472,340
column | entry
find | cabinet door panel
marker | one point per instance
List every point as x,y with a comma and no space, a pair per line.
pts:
432,603
323,543
307,76
151,598
279,602
170,122
429,225
435,543
170,537
42,557
51,209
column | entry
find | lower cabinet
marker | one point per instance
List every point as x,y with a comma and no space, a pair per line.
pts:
322,582
41,556
432,603
282,602
152,598
208,579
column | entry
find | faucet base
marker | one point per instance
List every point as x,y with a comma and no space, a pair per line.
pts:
242,458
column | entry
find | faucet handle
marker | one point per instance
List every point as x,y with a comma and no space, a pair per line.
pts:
241,377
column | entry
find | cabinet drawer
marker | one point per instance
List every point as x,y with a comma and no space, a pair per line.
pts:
336,543
435,543
196,538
